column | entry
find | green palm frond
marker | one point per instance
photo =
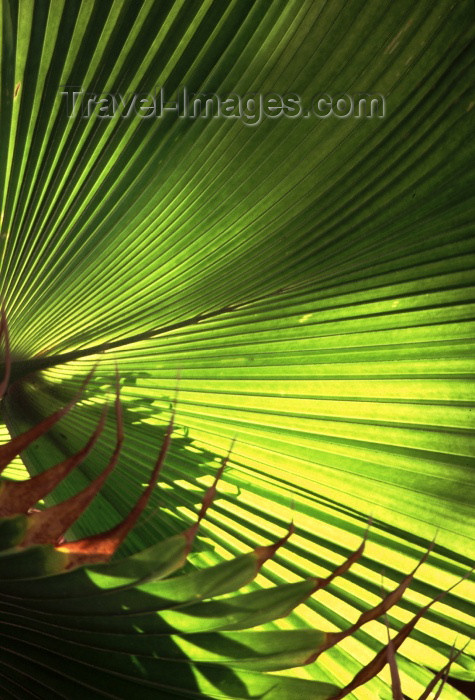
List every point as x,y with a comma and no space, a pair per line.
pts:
307,284
132,622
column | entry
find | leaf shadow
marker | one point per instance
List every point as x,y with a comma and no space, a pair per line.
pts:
173,503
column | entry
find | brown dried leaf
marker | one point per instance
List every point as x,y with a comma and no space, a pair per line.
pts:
19,496
101,547
49,525
377,664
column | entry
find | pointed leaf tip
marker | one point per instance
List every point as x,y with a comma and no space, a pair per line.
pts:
266,552
343,568
51,524
210,494
379,661
391,657
388,602
102,546
443,674
19,496
208,499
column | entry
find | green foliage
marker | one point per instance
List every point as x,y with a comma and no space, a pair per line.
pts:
132,620
309,281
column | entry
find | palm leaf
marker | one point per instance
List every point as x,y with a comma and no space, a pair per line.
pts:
309,282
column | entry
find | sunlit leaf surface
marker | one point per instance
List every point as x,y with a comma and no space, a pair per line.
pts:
306,283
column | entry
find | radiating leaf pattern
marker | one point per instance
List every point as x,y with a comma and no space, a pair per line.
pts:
133,622
307,283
